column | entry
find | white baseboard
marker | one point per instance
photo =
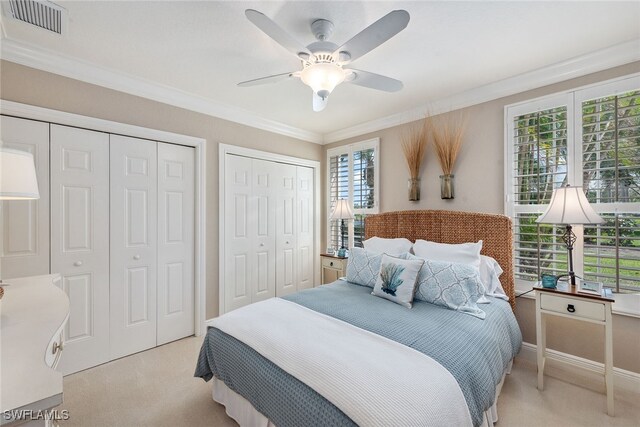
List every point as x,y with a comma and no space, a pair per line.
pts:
581,371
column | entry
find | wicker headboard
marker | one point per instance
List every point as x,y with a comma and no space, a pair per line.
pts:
452,227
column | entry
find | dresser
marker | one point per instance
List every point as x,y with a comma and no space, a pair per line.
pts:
33,314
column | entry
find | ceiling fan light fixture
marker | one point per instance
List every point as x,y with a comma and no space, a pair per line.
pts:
322,78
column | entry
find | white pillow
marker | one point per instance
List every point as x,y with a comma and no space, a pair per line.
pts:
464,253
397,279
490,272
396,246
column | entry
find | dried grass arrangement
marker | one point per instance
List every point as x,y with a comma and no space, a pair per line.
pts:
414,145
447,136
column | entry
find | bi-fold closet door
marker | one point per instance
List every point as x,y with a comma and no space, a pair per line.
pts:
115,219
152,237
268,230
133,256
80,240
24,224
127,204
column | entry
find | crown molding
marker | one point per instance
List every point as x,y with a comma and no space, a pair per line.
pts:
35,57
578,66
38,58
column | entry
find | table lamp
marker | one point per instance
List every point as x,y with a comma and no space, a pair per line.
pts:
568,206
342,211
17,179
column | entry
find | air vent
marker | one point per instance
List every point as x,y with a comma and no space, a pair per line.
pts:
40,13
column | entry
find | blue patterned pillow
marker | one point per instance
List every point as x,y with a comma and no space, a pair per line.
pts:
397,279
450,284
363,267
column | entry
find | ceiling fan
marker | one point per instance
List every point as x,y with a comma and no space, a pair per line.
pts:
323,62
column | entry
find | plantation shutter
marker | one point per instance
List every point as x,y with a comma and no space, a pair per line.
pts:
539,166
363,190
590,138
338,189
352,174
611,179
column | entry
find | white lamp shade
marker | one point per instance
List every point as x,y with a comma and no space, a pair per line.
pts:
569,205
17,175
342,210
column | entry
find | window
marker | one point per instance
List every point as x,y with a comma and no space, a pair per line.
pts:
588,137
352,174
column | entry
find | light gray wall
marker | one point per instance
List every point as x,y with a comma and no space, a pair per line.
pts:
479,172
479,187
42,89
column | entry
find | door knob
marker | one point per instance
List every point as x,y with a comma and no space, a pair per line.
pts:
136,257
77,263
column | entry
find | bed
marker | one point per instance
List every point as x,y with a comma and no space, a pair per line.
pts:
338,355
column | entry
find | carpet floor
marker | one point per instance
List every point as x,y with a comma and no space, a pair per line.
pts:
157,388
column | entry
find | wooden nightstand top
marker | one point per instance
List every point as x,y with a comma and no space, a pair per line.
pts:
572,292
333,256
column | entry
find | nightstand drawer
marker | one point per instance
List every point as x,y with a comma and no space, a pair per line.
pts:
573,307
332,263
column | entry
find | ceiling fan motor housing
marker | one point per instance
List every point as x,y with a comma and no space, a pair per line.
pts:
322,29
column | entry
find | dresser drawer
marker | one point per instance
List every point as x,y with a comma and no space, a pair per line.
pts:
333,263
573,307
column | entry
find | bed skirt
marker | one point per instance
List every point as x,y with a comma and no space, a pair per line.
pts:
241,410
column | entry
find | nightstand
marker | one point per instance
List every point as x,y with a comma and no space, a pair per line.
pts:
578,306
335,264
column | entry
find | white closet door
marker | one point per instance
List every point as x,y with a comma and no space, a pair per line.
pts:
176,209
24,244
286,238
262,229
237,238
304,227
80,241
133,259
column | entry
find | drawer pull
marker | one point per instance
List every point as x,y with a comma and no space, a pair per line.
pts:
77,263
57,347
331,263
571,308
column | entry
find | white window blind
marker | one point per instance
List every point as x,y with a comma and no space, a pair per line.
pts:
352,172
588,137
539,166
611,178
338,189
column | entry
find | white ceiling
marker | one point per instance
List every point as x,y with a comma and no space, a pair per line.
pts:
204,48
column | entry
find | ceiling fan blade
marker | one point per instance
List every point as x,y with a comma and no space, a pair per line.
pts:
319,104
375,34
374,81
274,31
266,80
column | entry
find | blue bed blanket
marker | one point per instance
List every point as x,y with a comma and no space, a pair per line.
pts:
475,351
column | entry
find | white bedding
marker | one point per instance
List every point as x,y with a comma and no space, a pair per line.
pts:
389,383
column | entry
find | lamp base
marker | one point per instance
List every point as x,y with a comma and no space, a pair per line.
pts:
342,252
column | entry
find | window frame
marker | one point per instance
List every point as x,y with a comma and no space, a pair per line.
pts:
349,149
573,100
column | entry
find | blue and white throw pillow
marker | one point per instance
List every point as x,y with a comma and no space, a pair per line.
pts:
397,279
363,267
450,284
